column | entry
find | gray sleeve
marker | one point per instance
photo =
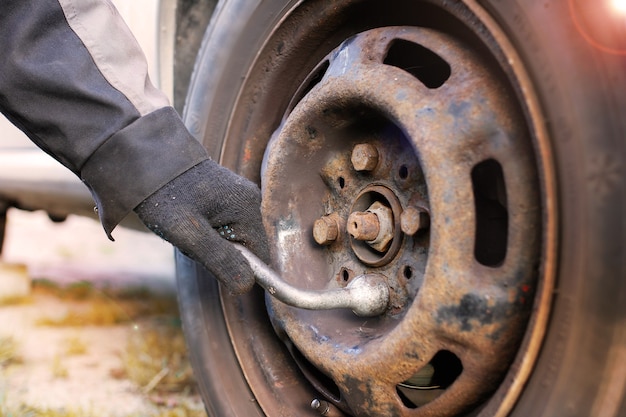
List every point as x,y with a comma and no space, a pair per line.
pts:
74,79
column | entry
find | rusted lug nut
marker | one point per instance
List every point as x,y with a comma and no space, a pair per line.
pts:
414,219
364,157
363,225
326,229
385,232
375,226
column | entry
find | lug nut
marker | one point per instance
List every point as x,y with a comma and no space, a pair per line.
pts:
364,157
375,226
414,219
363,225
326,229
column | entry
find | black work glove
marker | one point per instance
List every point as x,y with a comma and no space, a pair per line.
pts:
203,209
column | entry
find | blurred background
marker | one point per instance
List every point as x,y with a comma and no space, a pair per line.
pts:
88,327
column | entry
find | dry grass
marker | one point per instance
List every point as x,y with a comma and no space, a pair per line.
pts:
98,312
8,352
91,306
26,411
180,411
58,368
156,359
74,346
16,300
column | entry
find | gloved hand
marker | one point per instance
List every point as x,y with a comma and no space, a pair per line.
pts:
203,209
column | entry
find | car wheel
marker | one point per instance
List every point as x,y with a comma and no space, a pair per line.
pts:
470,154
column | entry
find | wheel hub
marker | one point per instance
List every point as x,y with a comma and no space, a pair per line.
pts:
374,225
419,170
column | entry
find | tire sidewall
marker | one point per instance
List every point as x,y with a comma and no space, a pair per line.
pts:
581,93
580,90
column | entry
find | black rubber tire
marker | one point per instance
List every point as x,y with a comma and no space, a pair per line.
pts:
3,222
581,368
192,18
580,87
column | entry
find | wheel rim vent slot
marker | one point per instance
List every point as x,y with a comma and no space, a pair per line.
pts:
491,213
431,381
422,63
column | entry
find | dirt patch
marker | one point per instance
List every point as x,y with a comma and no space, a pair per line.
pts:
106,370
98,333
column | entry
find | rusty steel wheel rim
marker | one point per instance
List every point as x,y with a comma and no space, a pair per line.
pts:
457,149
449,142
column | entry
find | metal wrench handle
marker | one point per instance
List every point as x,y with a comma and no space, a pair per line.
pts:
367,295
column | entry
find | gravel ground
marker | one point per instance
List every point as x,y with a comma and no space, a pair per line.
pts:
45,374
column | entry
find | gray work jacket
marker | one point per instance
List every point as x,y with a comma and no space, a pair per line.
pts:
74,79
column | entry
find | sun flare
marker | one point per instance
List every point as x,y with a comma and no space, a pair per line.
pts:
619,6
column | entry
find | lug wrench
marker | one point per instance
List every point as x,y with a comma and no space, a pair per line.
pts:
367,295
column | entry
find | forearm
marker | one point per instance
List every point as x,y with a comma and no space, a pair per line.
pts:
75,81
